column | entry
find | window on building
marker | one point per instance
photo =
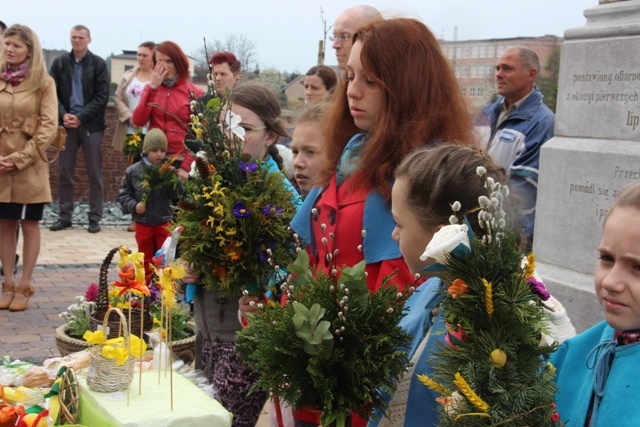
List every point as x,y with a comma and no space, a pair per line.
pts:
480,92
481,72
463,91
474,72
490,51
465,52
489,71
472,92
128,67
474,52
464,72
457,72
482,52
499,50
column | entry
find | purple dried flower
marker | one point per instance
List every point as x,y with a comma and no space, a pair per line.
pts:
240,209
274,211
262,247
248,167
538,288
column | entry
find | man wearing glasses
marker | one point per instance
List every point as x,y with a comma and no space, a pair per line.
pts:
347,23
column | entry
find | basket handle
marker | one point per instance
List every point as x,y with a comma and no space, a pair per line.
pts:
123,321
102,304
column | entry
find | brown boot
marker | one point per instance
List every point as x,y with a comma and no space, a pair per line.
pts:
8,291
21,298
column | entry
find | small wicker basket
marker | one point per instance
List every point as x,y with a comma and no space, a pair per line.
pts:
102,305
69,396
104,374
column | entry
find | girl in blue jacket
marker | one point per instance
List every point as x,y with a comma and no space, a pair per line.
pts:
596,371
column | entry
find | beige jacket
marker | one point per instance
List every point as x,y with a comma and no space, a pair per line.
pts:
122,108
23,131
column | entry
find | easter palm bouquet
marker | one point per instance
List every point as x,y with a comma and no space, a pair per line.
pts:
332,346
132,146
492,369
236,211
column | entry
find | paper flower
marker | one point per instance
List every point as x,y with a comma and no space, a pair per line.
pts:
232,122
458,287
240,209
270,210
446,240
538,288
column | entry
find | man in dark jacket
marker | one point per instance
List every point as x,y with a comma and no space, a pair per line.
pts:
82,84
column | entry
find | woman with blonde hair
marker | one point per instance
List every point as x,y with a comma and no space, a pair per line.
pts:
28,124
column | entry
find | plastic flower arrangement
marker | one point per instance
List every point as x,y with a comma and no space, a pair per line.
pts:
116,348
492,369
236,212
132,146
333,345
159,178
78,316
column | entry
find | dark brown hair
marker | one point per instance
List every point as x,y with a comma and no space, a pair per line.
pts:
264,104
438,177
326,74
421,101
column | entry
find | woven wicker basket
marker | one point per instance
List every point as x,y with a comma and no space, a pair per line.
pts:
104,374
102,305
66,344
69,396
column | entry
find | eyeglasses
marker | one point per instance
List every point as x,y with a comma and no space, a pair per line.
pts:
343,37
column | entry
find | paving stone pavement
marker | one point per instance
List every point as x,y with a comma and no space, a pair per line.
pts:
69,260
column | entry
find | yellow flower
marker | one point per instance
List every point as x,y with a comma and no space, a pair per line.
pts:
219,210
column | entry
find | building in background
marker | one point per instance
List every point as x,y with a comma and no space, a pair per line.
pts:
128,60
474,62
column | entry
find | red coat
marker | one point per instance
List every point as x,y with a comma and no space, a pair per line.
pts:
168,109
341,210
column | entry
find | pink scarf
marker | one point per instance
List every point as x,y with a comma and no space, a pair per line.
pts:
15,74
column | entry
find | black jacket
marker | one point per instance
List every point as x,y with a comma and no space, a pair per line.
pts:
95,88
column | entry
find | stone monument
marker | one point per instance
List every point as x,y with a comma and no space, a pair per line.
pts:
595,151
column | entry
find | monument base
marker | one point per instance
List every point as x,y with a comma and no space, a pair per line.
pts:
576,293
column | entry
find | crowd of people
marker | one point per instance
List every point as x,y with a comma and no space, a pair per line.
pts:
372,150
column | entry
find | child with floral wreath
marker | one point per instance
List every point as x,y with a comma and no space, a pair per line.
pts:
596,371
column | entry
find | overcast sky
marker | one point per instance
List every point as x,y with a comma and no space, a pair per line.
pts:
285,32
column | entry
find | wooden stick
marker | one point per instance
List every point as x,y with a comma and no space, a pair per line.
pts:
170,341
161,339
129,341
140,349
